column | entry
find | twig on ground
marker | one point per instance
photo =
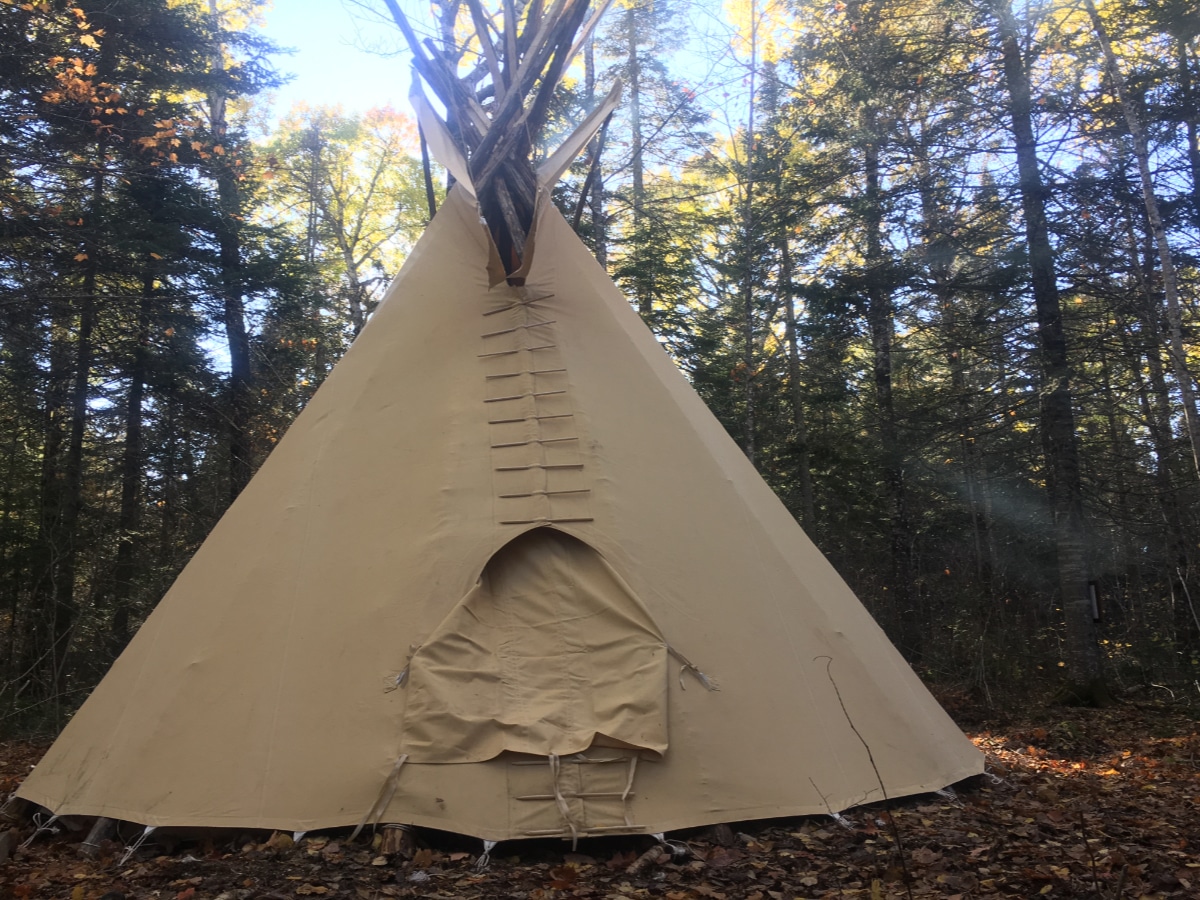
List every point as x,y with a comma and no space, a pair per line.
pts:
908,879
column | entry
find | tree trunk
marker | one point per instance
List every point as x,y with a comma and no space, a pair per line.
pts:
66,539
1156,413
645,297
881,316
167,537
808,517
10,517
129,518
24,376
595,197
1084,670
1188,97
1154,401
1166,261
234,308
749,357
49,548
356,295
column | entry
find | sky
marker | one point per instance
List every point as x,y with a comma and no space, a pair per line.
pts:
332,63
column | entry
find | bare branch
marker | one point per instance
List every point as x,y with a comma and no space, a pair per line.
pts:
489,49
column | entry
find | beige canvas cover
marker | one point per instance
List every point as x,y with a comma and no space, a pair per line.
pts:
496,537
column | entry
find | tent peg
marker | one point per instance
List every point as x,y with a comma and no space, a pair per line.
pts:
842,820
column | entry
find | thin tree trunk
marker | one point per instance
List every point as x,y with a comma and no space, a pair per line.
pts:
64,608
1154,402
12,566
357,295
749,360
1176,549
1188,97
595,198
49,547
881,316
129,519
645,297
1155,414
940,255
808,516
170,464
1141,151
234,307
1084,670
1119,473
312,226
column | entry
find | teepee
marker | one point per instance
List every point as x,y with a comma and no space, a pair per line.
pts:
505,575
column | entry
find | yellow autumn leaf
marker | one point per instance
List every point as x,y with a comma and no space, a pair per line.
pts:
88,41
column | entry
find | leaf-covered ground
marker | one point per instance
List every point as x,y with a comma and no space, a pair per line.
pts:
1082,804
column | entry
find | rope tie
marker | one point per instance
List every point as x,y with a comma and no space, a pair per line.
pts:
686,665
633,761
677,849
133,848
379,807
44,826
486,859
564,810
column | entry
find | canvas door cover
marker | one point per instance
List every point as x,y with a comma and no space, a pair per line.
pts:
262,692
547,653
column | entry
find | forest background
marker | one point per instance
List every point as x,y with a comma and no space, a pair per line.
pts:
931,262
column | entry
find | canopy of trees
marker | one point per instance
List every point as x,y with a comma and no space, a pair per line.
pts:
933,264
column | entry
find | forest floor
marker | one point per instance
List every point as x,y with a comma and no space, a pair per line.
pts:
1079,803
